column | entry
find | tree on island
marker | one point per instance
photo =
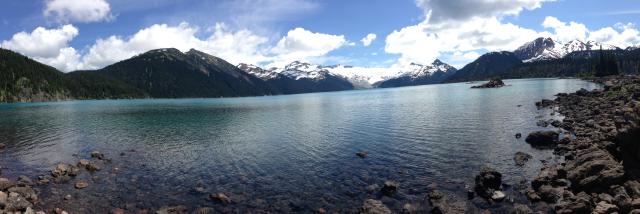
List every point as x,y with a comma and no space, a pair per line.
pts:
607,64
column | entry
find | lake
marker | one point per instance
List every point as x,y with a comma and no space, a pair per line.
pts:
293,153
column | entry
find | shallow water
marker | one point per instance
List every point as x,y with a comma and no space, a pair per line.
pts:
284,153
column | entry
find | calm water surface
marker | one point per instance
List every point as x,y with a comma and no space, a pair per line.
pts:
284,153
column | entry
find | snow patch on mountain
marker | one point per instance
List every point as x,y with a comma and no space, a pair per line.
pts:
547,48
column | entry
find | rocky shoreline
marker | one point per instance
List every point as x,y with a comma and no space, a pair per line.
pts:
600,149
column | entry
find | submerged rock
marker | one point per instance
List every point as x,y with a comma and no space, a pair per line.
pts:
220,197
97,154
372,206
81,184
542,138
362,154
390,187
521,158
180,209
487,181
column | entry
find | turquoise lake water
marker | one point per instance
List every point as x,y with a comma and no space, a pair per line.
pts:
292,153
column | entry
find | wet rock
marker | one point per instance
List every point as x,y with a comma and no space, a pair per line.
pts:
93,166
3,146
117,211
15,202
81,184
3,198
440,203
542,123
542,138
362,154
5,183
546,176
593,167
487,181
494,83
544,103
390,187
204,210
470,193
498,196
24,181
173,210
550,194
580,203
97,154
220,197
521,209
83,163
521,158
372,206
372,188
67,197
532,195
518,135
605,208
633,188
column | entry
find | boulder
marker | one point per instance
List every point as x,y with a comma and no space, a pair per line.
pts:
81,184
542,138
180,209
487,181
362,154
372,206
494,83
97,154
593,167
521,158
605,208
220,197
390,187
521,209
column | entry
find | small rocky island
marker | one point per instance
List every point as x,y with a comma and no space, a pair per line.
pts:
494,83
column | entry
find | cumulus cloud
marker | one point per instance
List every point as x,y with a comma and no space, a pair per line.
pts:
49,46
77,11
621,35
42,42
565,32
367,40
236,47
424,42
460,26
301,44
438,11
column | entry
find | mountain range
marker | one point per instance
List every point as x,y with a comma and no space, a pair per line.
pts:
170,73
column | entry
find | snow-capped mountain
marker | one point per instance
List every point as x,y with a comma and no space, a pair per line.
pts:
418,74
299,77
359,77
547,48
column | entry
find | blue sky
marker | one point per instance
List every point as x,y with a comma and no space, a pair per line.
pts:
274,32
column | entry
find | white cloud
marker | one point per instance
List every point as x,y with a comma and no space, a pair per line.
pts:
236,47
625,35
460,26
42,42
301,44
438,11
424,42
367,40
66,11
565,32
49,46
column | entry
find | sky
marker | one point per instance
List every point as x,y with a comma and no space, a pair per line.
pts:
91,34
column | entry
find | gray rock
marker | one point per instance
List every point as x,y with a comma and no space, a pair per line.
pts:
542,138
372,206
521,158
390,187
487,181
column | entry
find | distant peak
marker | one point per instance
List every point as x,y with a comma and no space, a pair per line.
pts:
438,62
